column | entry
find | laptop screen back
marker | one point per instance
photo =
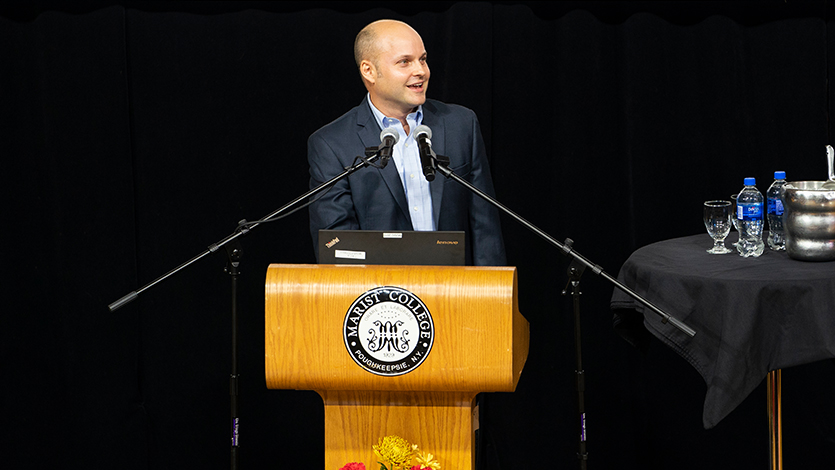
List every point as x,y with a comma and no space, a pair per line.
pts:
429,248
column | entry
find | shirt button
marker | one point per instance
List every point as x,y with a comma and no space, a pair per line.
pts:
412,176
416,208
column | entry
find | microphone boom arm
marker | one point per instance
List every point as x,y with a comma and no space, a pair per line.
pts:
243,230
441,163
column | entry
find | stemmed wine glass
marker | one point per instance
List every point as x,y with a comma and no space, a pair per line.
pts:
717,218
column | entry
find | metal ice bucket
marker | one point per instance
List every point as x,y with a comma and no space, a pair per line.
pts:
809,221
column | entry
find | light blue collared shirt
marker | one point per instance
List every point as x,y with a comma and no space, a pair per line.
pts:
407,161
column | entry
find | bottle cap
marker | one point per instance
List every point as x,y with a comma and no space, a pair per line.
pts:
750,181
779,175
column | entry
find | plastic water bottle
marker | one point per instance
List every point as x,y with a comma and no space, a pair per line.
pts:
749,216
776,239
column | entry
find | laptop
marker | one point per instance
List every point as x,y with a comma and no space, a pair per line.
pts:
429,248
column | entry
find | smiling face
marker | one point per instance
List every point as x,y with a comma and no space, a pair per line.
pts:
394,70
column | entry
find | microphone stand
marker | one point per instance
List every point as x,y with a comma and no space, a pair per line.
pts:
575,270
232,245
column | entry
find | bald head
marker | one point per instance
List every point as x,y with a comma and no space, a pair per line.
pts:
392,63
372,38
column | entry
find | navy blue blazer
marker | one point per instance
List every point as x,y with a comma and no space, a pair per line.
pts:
374,199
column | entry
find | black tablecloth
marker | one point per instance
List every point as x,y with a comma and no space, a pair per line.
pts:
751,315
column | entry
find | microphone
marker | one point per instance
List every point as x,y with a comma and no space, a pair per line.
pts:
388,138
423,135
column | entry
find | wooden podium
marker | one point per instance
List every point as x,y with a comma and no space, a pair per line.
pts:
479,343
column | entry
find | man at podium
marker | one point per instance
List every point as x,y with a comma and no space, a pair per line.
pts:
393,66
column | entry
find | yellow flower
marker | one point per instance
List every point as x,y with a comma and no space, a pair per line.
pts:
394,449
428,461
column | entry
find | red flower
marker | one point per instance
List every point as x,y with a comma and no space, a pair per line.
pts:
416,467
353,466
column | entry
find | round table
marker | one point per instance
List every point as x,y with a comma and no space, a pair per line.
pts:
752,316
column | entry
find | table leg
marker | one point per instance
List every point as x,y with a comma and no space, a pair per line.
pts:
775,421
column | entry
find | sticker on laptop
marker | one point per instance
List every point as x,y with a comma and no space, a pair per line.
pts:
348,254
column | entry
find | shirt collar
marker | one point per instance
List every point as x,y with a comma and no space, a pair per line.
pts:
383,121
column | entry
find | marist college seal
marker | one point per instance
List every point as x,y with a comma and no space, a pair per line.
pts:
388,331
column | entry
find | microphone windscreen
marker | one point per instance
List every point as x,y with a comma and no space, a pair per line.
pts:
423,129
390,131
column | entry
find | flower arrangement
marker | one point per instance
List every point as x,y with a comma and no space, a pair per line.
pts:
395,453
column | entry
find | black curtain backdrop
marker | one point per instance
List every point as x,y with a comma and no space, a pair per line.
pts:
135,134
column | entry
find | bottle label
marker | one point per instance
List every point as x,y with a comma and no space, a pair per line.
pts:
775,206
749,211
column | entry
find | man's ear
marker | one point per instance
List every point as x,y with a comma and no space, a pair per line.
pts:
368,72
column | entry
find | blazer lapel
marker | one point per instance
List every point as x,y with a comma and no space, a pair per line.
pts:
369,132
436,187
